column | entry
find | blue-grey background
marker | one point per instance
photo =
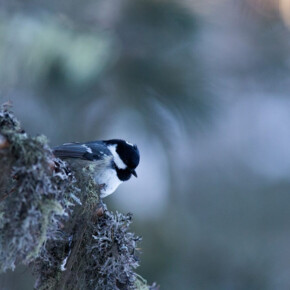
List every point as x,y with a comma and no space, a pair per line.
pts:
202,86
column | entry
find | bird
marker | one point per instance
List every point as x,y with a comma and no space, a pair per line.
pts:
114,161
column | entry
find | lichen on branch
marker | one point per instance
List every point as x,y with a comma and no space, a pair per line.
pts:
51,219
33,193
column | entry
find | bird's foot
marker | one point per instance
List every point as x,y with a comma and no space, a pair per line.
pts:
101,208
102,186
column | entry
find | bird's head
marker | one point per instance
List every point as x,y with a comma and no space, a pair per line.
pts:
126,157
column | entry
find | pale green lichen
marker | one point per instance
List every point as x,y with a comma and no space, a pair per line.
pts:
141,284
33,194
51,218
48,208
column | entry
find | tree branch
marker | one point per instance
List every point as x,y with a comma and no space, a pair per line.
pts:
51,219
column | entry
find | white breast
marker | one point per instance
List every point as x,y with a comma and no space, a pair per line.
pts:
108,180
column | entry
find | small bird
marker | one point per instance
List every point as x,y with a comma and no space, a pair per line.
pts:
114,160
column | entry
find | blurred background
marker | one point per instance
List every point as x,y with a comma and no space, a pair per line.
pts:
202,86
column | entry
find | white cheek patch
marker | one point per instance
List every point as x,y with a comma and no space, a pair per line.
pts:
118,161
130,144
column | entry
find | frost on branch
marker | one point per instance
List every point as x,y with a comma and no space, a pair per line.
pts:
51,219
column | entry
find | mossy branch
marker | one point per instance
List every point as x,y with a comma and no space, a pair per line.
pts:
51,219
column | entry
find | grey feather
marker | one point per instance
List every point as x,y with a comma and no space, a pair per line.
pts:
87,151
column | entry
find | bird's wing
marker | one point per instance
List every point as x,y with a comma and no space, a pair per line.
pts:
86,151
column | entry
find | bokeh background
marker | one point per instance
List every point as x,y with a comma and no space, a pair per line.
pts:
202,86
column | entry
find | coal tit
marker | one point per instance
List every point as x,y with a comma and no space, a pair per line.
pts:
114,161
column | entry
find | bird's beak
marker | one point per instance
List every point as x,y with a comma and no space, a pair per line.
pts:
134,173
